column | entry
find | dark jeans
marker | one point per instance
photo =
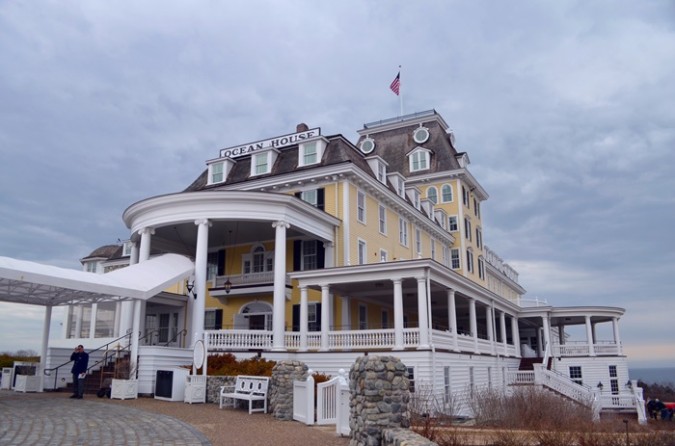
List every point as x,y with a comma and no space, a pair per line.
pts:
78,385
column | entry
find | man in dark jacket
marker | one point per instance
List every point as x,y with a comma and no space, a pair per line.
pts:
80,360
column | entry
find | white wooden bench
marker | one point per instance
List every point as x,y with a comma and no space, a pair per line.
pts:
247,388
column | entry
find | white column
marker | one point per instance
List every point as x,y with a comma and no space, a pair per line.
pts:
346,218
144,254
473,324
490,328
423,311
589,337
45,345
502,329
78,321
199,304
346,316
127,307
279,297
617,339
92,321
329,254
515,334
547,333
325,317
304,319
398,314
452,318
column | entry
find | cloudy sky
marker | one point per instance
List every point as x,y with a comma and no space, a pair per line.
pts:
565,108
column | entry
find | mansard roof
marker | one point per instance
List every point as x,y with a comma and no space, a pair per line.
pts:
338,151
104,252
393,144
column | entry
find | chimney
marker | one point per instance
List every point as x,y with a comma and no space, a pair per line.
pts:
302,127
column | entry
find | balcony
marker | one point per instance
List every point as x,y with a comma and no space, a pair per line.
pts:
244,284
602,348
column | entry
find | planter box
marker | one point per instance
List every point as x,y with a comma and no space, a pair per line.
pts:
124,389
195,389
27,383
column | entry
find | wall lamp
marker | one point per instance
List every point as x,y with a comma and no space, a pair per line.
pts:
228,286
190,286
600,386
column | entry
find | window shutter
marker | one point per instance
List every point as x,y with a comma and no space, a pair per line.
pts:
320,199
318,317
219,319
296,317
297,253
221,262
320,255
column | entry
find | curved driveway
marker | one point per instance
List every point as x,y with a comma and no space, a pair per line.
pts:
37,419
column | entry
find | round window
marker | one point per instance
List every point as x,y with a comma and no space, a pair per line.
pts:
421,135
367,145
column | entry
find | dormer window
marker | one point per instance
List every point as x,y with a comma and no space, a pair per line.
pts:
308,153
216,173
382,173
419,160
261,162
219,169
311,152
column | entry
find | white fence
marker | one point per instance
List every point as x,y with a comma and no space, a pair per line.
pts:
303,400
332,402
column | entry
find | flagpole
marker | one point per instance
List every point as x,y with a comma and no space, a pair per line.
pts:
400,96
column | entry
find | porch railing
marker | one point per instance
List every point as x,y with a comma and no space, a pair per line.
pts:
246,279
609,348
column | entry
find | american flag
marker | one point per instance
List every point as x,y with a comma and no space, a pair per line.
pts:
396,84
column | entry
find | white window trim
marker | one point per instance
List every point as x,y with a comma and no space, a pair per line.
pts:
302,152
433,199
382,219
384,255
403,231
420,154
361,218
359,243
450,225
452,194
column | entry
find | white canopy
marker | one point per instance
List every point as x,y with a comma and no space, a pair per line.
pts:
34,283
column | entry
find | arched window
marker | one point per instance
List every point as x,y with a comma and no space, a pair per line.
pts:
432,195
258,260
446,193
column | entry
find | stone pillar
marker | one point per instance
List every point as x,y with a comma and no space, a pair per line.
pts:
281,387
398,314
279,296
380,397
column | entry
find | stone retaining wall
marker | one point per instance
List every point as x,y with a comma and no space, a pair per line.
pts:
404,437
213,384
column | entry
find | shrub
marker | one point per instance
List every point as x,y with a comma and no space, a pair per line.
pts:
228,365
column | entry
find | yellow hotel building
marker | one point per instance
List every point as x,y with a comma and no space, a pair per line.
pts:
308,246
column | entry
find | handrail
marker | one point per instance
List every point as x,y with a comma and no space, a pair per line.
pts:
183,332
47,372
